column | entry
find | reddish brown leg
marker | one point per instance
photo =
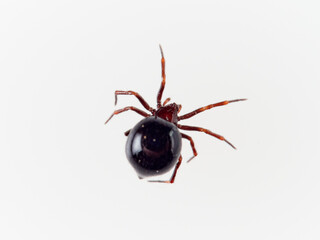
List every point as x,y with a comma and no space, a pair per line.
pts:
126,133
199,110
192,146
173,175
137,95
126,109
166,101
163,83
190,128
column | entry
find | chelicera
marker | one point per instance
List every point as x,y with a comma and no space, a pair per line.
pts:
154,144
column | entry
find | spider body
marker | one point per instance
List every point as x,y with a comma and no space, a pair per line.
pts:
169,112
153,146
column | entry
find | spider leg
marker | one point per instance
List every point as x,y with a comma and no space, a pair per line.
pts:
199,129
192,145
126,109
173,174
199,110
137,95
163,83
166,101
126,133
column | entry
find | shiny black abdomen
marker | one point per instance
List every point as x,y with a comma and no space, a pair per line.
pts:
153,146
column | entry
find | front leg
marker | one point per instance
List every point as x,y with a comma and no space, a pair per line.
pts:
137,95
126,109
199,110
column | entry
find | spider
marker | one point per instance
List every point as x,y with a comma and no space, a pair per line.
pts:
153,145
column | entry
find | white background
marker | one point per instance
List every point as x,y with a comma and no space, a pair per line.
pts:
64,174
